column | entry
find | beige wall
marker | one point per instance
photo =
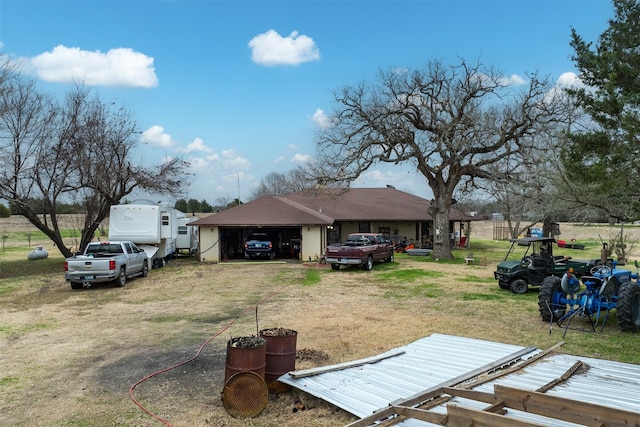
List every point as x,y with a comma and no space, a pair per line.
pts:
313,243
209,243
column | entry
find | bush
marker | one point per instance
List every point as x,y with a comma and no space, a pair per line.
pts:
5,212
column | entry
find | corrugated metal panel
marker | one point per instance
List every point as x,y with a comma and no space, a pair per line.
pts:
425,363
436,359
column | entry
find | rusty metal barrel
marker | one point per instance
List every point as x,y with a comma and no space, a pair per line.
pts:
280,355
245,354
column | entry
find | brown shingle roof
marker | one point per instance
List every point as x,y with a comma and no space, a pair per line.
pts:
323,207
266,211
375,204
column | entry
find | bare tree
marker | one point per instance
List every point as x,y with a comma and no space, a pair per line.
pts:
281,184
79,152
452,123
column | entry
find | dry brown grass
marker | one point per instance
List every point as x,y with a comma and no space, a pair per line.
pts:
69,357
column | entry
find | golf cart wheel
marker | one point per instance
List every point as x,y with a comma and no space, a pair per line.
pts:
628,307
549,296
519,286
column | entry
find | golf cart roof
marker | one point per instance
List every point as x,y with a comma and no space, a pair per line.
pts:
526,241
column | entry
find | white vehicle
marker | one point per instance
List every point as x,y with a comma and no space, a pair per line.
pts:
105,262
150,226
187,236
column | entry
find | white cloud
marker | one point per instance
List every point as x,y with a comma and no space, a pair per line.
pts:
271,49
232,160
569,79
512,80
197,145
155,135
121,67
301,158
321,119
197,163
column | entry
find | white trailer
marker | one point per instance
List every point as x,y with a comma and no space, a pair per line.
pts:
151,227
187,236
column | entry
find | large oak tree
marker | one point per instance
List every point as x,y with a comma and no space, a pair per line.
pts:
454,124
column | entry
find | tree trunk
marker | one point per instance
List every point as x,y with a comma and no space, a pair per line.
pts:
439,210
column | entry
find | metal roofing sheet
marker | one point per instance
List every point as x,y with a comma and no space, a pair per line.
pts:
425,363
436,359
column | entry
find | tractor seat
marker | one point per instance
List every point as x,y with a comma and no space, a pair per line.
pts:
595,281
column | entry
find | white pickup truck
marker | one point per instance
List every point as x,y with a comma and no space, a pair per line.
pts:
105,262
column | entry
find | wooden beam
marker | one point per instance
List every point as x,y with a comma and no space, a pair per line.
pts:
480,396
572,370
501,373
421,414
465,417
560,408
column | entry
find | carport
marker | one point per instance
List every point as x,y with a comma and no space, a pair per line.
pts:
298,231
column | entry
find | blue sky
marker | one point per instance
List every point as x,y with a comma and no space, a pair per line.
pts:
240,88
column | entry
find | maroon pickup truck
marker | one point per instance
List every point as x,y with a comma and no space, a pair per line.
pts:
360,249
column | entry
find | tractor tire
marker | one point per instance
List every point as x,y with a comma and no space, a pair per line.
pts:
550,291
519,286
628,307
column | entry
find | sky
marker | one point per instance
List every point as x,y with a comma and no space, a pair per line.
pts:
239,89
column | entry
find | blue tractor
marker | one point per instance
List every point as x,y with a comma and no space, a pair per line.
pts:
606,288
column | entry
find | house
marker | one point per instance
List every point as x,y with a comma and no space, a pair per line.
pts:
302,224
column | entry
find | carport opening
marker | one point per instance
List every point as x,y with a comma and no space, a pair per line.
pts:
287,241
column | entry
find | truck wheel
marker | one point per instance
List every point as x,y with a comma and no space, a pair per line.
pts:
391,256
369,264
335,266
519,286
122,278
145,269
628,307
549,296
272,255
76,285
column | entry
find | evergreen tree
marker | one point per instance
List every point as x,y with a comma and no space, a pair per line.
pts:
181,205
602,157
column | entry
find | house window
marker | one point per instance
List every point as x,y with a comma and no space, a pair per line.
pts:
385,231
364,227
333,234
